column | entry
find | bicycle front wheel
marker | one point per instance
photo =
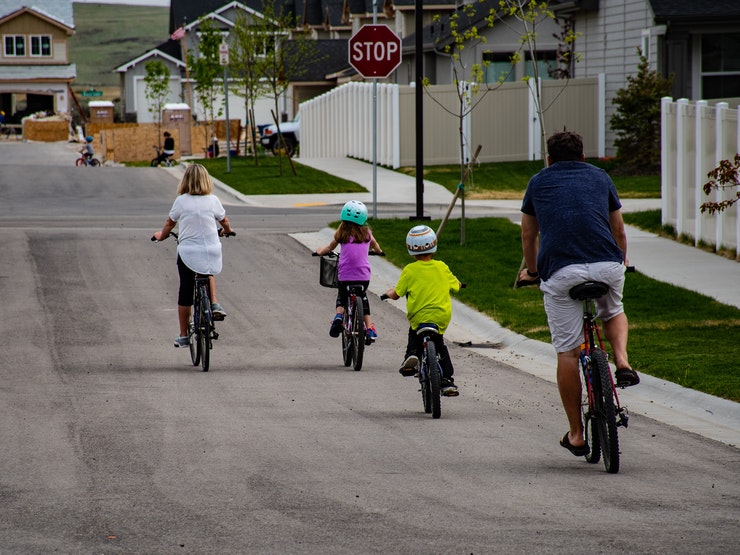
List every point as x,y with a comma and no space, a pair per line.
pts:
606,413
205,330
358,334
95,162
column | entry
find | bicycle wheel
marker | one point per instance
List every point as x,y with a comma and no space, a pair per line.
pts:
205,330
587,416
154,163
358,334
347,344
95,162
606,414
435,379
79,162
193,341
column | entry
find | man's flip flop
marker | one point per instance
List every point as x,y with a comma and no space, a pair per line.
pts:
580,451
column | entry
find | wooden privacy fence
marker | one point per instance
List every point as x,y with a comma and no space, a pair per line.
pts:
504,122
694,138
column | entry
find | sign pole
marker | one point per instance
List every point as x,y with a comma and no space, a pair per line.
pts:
375,128
224,59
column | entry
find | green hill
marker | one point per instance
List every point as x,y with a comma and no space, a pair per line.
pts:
108,35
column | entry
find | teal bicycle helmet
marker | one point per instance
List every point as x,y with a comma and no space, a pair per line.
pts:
354,211
89,138
421,240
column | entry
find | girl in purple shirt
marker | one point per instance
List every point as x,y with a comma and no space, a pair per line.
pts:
356,240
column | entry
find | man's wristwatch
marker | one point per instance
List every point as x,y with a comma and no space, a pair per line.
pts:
533,274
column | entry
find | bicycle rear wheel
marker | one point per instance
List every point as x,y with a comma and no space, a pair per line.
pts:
347,345
205,330
587,416
193,342
358,334
606,414
94,162
433,381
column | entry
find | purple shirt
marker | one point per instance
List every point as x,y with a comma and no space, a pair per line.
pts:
354,264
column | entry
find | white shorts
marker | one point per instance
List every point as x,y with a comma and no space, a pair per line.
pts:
565,315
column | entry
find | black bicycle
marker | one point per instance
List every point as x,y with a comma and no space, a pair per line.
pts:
201,329
354,334
601,410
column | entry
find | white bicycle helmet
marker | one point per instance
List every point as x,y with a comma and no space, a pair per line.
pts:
421,240
354,211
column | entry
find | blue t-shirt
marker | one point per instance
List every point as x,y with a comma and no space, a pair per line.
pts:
572,202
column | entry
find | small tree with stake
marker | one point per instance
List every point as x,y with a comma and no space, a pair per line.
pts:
725,176
157,89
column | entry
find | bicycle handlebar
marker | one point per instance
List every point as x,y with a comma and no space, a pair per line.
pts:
332,254
220,234
528,282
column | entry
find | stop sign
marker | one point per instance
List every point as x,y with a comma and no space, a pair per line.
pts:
375,51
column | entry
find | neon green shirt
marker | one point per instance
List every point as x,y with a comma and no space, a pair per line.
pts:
427,285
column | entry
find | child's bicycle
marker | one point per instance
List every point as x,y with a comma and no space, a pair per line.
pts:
87,161
354,334
201,329
601,410
167,162
431,373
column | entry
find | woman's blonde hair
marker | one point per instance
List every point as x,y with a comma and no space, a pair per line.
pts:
196,181
347,230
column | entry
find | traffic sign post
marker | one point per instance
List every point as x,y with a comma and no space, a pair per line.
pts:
375,51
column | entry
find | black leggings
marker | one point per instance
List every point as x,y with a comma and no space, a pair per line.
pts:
342,294
187,284
415,345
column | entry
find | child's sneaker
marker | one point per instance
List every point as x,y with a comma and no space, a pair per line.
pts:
182,341
408,368
371,333
336,326
449,389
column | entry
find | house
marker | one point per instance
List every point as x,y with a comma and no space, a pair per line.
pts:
35,69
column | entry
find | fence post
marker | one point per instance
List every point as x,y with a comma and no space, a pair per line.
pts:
699,141
682,105
666,136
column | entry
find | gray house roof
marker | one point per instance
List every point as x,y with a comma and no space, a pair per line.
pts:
58,10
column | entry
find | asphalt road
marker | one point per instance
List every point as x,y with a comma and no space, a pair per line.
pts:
112,442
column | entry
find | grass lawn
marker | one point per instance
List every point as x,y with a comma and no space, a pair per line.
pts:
675,334
508,180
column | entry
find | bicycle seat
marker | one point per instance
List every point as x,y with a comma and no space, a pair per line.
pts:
357,289
427,328
588,290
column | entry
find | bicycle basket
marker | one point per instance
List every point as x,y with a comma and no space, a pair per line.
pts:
328,271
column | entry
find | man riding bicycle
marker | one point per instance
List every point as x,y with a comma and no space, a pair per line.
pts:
572,231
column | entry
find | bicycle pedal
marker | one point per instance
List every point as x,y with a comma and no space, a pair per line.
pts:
214,335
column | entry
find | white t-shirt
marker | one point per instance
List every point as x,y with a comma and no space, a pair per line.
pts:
198,242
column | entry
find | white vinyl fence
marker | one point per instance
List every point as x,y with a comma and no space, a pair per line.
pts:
338,123
695,137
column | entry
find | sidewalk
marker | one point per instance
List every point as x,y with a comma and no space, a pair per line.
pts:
661,259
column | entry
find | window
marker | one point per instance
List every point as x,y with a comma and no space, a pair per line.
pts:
41,45
720,65
497,67
15,45
545,65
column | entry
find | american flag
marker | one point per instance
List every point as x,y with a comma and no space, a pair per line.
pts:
178,34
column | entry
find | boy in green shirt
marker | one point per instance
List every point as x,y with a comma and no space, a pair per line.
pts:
427,284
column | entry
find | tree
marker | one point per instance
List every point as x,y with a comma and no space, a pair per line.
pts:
285,59
637,120
725,176
157,89
246,59
205,70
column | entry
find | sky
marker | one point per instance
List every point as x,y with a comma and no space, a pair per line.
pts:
161,3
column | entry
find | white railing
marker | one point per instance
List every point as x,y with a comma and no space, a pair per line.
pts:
338,123
694,138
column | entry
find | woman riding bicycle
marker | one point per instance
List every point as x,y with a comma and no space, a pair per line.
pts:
197,212
356,240
426,284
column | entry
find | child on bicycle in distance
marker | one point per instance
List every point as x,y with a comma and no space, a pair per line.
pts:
356,240
426,284
88,151
197,212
